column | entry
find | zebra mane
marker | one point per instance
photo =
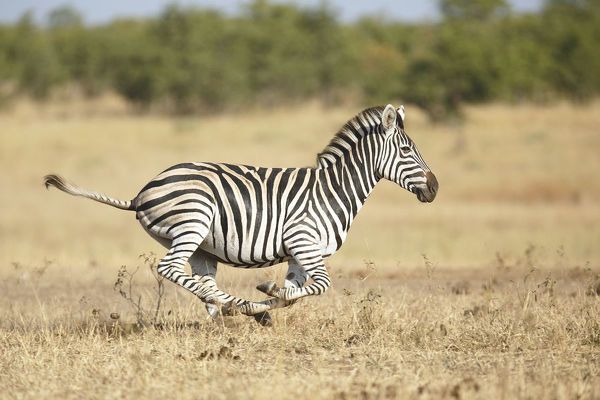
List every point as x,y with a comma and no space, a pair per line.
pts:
364,123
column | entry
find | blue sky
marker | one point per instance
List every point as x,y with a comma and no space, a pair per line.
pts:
96,12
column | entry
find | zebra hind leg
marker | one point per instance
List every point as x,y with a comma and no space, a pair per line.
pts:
171,266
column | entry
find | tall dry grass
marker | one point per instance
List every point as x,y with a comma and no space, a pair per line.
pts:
505,333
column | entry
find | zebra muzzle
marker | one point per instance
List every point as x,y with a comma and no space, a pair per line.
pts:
427,192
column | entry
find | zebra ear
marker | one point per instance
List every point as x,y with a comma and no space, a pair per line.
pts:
388,118
402,116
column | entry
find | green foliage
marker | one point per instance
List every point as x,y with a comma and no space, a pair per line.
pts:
573,32
474,10
198,60
63,17
29,58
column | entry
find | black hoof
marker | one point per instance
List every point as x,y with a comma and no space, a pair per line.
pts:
229,309
263,318
269,288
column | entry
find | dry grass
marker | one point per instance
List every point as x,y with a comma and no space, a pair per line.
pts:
497,334
490,292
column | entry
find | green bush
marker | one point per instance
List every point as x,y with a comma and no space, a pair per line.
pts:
198,60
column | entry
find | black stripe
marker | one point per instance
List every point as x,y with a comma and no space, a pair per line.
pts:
170,214
189,221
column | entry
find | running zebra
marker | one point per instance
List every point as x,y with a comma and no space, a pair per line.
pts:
252,217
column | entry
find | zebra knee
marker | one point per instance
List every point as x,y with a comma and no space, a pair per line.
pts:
170,271
317,288
163,270
321,281
324,284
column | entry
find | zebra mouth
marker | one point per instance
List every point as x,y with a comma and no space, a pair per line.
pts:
425,196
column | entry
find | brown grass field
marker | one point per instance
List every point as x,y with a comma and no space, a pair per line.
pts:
492,291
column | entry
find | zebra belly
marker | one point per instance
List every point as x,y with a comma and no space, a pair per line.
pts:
253,243
232,254
245,261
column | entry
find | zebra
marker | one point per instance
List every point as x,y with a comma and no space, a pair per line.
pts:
253,217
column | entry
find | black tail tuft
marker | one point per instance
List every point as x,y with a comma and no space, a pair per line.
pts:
54,180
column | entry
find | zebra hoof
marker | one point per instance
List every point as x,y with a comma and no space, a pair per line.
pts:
229,309
212,310
269,288
263,318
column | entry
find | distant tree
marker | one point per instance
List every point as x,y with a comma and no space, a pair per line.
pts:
37,69
584,5
572,34
284,58
137,64
329,51
524,70
383,52
199,60
474,10
64,17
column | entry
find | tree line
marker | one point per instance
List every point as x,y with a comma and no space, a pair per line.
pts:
200,60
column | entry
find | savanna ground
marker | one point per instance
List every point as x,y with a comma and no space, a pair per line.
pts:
492,291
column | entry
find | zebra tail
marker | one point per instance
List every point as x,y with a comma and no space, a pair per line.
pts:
61,184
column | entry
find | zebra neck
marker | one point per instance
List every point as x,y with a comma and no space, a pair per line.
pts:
344,186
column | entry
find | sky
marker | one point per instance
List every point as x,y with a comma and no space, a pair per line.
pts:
98,12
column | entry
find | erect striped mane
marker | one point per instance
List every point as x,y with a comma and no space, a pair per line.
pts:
364,123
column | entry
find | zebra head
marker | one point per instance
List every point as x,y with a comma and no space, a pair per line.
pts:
401,161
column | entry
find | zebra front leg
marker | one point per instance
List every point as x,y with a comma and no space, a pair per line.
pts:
295,277
204,268
309,258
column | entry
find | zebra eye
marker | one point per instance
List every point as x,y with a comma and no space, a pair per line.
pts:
405,150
